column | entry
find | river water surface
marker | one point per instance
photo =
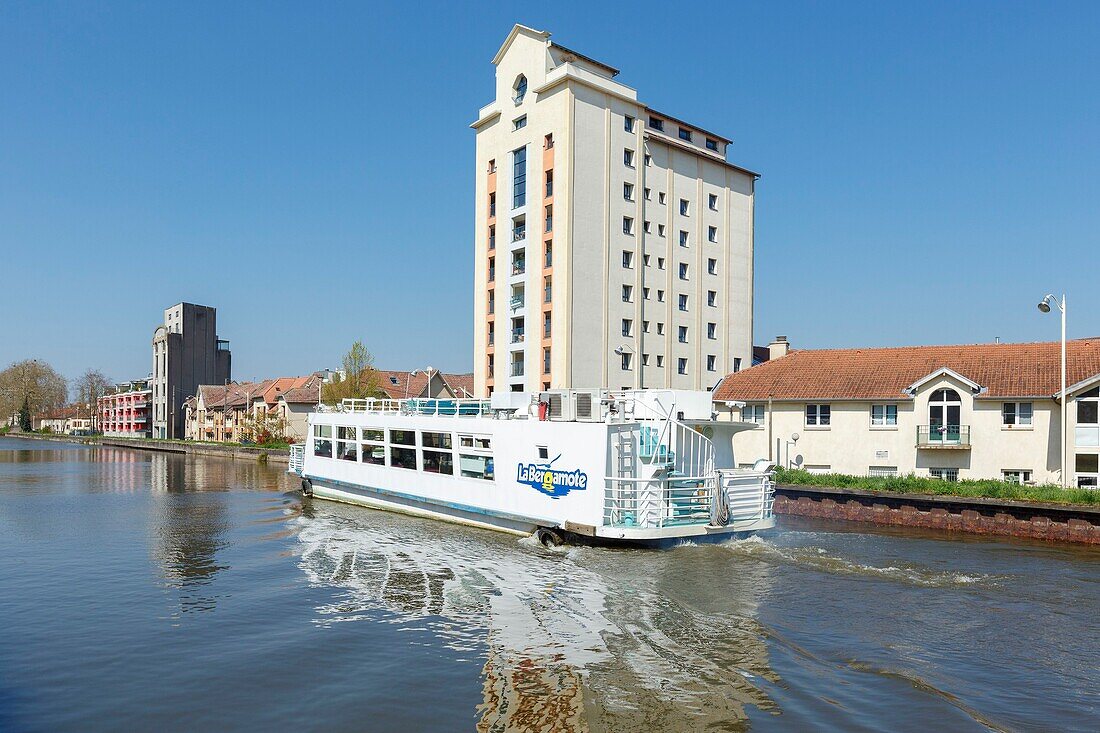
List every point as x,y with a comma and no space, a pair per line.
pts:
147,591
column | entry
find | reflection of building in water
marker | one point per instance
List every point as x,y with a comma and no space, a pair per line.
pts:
189,528
629,637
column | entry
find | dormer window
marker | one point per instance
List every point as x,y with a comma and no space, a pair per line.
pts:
520,88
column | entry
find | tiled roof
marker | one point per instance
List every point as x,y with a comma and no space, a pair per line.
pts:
462,385
1003,370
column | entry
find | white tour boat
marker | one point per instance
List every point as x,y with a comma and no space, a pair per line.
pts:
642,467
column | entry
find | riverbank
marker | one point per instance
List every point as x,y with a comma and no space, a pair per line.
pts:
1079,523
273,455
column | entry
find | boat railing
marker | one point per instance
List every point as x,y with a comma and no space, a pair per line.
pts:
654,503
418,406
297,459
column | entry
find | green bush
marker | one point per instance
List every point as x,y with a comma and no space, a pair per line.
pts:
984,488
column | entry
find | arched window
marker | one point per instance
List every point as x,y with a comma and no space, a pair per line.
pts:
520,88
944,414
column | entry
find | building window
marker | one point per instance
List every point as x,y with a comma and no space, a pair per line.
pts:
944,474
681,366
628,123
645,193
645,326
753,414
712,234
660,296
648,160
660,360
1087,468
657,123
546,360
685,134
1088,407
660,329
712,266
712,331
628,191
627,359
548,141
737,363
492,204
519,228
645,227
645,359
683,271
684,207
546,323
628,259
712,144
712,298
493,165
660,230
628,293
628,225
712,201
711,362
549,183
549,260
682,334
683,302
520,89
882,471
1016,476
519,123
549,218
683,238
1016,413
884,414
818,415
628,157
493,237
645,260
519,177
645,293
547,290
660,263
628,327
492,268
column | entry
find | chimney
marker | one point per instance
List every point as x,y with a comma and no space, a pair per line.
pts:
779,347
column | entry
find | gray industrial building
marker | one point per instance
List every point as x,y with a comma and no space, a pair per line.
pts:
186,353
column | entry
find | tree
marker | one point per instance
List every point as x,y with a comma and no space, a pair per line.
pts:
359,379
34,382
25,416
89,387
263,428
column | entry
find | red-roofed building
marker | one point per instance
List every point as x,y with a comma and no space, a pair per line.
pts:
968,411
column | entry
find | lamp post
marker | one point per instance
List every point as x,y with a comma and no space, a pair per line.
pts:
1044,307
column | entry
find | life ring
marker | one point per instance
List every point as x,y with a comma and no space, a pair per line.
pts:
549,537
307,487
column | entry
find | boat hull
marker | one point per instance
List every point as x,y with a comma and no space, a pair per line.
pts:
395,501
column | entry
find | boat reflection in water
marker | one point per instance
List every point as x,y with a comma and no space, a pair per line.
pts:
573,640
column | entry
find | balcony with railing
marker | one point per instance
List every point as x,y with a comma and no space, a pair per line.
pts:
519,266
956,437
517,369
519,233
517,335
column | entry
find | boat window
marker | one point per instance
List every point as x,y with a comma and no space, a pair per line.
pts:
471,466
477,442
436,440
543,451
373,435
403,457
403,437
346,447
439,462
374,446
322,441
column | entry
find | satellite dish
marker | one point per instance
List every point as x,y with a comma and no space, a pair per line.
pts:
798,460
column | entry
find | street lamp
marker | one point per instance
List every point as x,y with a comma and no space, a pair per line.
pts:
1044,307
412,374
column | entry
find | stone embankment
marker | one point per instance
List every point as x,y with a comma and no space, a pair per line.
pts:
273,455
1036,520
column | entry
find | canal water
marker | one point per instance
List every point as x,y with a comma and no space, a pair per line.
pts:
146,591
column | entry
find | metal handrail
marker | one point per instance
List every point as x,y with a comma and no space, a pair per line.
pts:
943,435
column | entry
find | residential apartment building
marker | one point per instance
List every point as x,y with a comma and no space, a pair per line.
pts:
125,413
984,411
613,242
186,353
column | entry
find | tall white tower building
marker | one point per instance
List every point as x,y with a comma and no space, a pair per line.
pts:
613,242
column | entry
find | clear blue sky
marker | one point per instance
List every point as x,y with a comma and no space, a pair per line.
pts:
929,170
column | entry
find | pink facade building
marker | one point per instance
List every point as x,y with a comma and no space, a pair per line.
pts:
125,414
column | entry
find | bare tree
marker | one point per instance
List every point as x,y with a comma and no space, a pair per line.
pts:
34,381
88,388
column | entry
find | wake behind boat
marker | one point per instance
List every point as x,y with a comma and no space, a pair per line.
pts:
635,467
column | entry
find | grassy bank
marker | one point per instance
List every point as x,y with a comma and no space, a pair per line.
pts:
919,485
